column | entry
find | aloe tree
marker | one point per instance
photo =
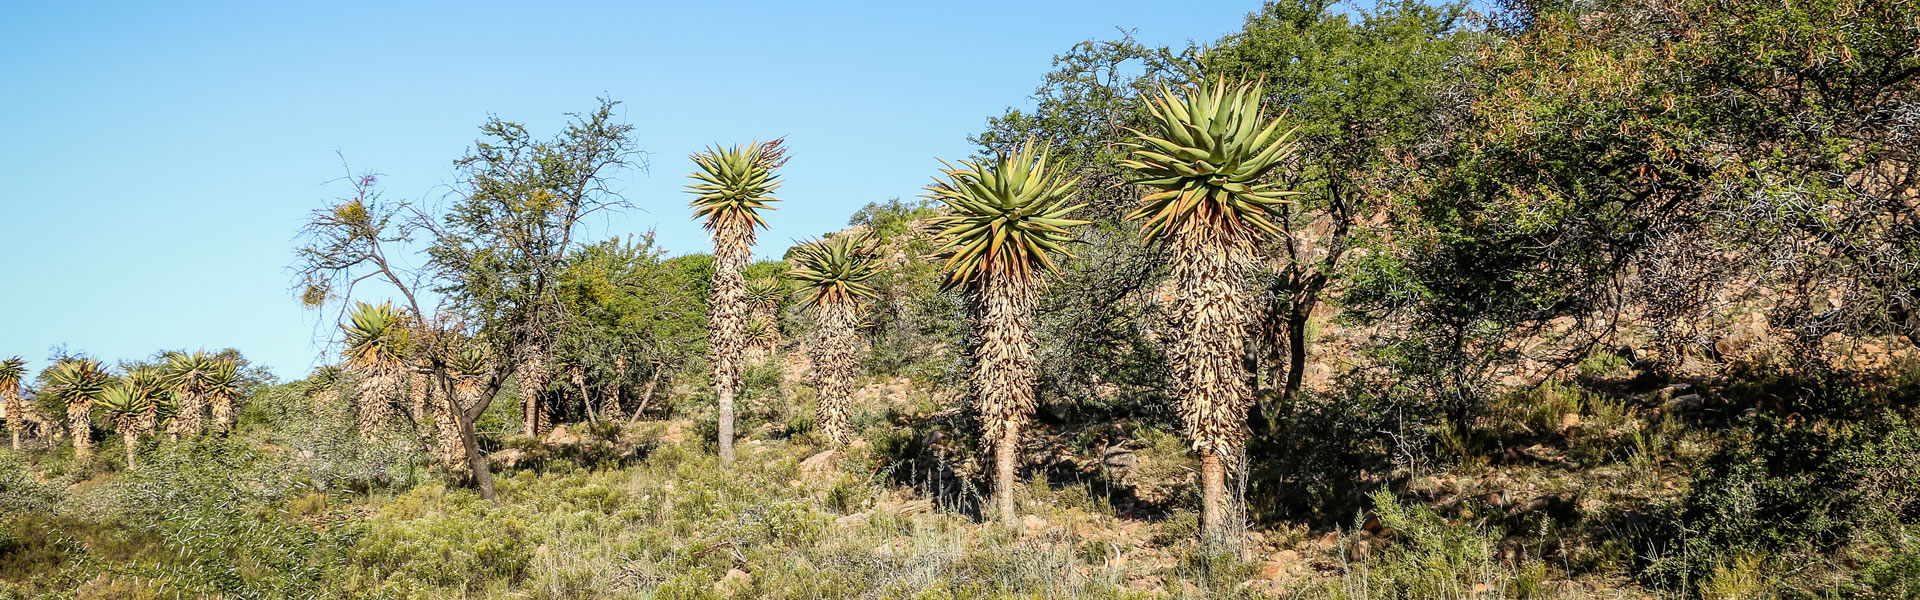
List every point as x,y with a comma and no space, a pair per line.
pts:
376,350
186,374
323,387
127,403
1008,218
734,185
466,371
833,273
165,408
221,389
151,383
1208,156
12,371
764,295
78,382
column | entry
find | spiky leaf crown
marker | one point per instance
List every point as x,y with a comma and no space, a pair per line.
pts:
223,379
1208,155
126,399
736,183
1009,216
834,270
189,371
12,370
766,291
470,361
78,380
376,335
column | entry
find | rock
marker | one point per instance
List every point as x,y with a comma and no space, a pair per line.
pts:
506,458
733,582
1280,565
1328,540
1569,421
852,521
1033,524
561,436
819,465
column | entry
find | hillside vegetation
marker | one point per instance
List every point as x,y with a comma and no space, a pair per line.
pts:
1614,299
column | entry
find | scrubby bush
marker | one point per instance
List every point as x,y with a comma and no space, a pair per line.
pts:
1783,487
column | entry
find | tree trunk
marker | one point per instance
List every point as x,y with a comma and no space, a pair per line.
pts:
80,425
132,440
586,398
476,462
727,323
646,395
726,424
1213,508
1006,462
1210,268
836,362
1003,373
16,415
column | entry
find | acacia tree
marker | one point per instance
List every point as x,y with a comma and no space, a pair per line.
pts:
495,254
1009,217
833,273
1209,155
735,184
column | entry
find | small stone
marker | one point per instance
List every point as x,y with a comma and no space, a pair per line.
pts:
733,582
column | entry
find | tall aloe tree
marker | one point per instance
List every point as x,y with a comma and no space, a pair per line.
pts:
12,372
1009,218
128,404
376,350
78,382
733,186
222,388
1209,155
764,295
151,382
187,374
323,387
833,273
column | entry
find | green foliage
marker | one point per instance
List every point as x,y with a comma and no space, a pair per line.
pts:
834,270
1777,489
1009,217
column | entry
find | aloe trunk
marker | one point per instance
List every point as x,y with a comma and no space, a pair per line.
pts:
1003,376
835,361
728,323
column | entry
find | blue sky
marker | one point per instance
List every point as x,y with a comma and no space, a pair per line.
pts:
159,157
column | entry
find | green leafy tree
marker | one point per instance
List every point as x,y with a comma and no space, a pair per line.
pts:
1209,155
1009,218
734,185
833,275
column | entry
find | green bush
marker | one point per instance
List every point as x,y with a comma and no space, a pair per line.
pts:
1780,487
